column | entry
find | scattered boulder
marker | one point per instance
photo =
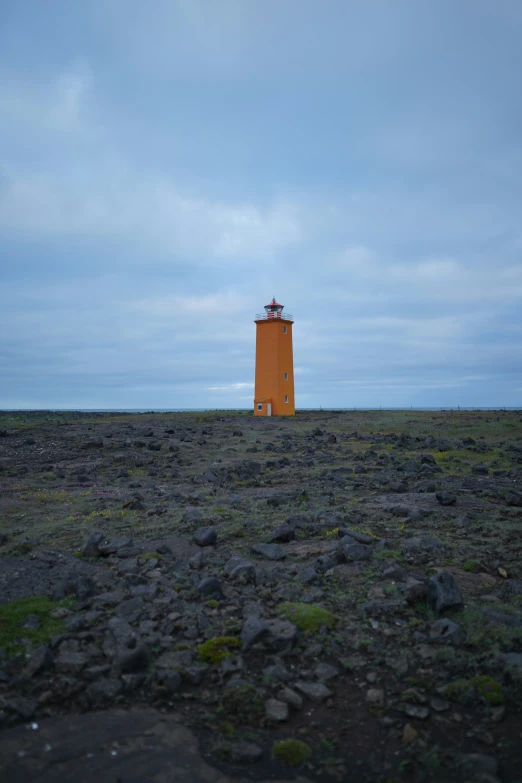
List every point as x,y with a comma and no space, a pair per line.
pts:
270,551
447,632
91,548
210,586
446,498
283,533
513,498
205,536
443,593
354,552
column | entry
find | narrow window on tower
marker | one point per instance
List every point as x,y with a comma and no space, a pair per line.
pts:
284,329
286,376
260,406
286,397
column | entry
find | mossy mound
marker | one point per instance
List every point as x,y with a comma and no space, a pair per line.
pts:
12,616
307,617
291,752
489,689
217,649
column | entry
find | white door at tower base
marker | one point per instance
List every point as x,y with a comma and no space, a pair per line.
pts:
269,409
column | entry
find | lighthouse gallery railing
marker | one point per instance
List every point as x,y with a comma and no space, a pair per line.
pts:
274,317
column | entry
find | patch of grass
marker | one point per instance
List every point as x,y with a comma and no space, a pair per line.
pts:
489,689
307,617
291,752
487,635
473,566
217,649
388,554
14,613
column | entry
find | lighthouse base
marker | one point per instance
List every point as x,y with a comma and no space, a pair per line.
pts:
262,407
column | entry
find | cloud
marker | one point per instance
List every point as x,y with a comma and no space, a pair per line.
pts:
165,170
233,387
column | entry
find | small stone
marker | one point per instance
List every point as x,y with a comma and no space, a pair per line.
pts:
276,710
72,662
210,586
416,711
277,672
254,630
290,697
315,691
195,674
91,546
512,498
134,660
446,498
361,538
205,536
283,533
41,659
104,690
439,705
270,551
308,576
354,552
24,708
325,672
409,734
447,632
281,634
375,696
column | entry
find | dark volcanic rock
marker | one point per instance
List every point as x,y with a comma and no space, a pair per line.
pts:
513,498
91,548
447,632
210,586
446,498
205,536
270,551
443,592
108,746
283,533
356,551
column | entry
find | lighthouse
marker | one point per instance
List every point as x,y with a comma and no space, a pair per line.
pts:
274,383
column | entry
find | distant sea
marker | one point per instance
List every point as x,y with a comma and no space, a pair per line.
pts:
209,410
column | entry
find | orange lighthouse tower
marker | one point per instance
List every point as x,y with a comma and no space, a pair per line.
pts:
274,388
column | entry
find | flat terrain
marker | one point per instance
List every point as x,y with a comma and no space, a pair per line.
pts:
217,597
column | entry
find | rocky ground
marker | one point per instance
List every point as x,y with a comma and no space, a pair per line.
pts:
214,597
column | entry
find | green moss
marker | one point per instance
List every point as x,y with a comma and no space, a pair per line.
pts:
307,617
243,705
489,689
291,752
14,613
212,603
228,729
472,565
217,649
458,690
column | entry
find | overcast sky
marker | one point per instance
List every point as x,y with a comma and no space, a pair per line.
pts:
166,167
